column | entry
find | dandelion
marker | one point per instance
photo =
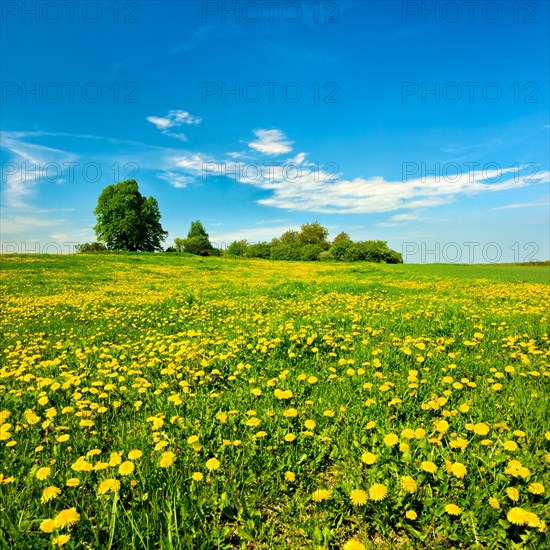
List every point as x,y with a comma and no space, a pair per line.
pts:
516,516
108,485
429,467
481,429
310,424
453,510
458,470
66,518
47,526
358,497
391,439
197,476
408,484
290,437
134,454
253,422
43,473
513,493
353,544
167,459
407,433
419,433
536,488
126,468
510,445
494,503
320,494
290,476
441,426
115,459
411,514
61,540
49,493
368,458
212,464
378,491
73,482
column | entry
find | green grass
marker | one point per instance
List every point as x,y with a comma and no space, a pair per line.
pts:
144,351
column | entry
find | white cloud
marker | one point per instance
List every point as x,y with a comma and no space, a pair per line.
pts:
174,119
270,142
541,202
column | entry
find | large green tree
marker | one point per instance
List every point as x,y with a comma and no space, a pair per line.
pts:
126,220
197,241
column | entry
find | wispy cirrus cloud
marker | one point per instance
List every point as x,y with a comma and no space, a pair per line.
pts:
174,119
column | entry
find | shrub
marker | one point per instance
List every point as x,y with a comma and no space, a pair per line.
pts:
86,248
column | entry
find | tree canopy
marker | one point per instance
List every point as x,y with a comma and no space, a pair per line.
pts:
126,220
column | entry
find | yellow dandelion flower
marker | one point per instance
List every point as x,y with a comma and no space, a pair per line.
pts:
320,494
66,518
408,484
407,433
419,433
49,493
43,473
429,467
353,544
510,445
61,540
328,413
115,459
134,454
536,488
197,476
516,516
368,458
47,526
532,520
310,424
358,497
513,493
290,476
212,464
167,459
192,439
73,482
290,437
378,491
458,470
411,514
391,439
441,426
494,503
253,422
109,485
126,468
63,438
481,429
453,510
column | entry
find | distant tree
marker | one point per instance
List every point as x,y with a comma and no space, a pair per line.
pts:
313,233
126,220
197,241
259,250
289,237
238,248
170,249
341,237
85,248
179,244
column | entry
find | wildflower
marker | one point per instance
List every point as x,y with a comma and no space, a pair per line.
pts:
481,429
391,439
61,540
126,468
453,510
411,514
419,433
378,491
290,476
197,476
115,459
408,484
536,488
212,464
429,467
516,516
47,526
49,493
66,518
290,437
134,454
73,482
167,459
320,494
494,503
108,485
368,458
353,544
510,445
358,497
441,426
407,433
458,470
253,422
513,493
310,424
43,473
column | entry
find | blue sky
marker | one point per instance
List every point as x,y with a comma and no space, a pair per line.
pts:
383,119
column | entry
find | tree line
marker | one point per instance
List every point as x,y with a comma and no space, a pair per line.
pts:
126,220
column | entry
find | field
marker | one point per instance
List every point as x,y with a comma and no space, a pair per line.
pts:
168,401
